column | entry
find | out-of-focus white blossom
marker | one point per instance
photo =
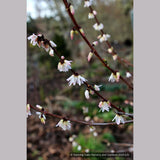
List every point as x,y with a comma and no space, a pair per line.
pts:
114,77
88,3
90,15
74,144
92,128
119,119
28,110
86,93
87,150
64,65
97,87
95,134
103,105
98,27
110,50
76,79
64,124
114,57
87,118
79,148
128,75
85,109
103,37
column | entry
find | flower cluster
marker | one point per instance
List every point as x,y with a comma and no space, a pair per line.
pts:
103,105
76,78
103,37
98,27
41,42
91,15
64,124
42,117
114,77
64,65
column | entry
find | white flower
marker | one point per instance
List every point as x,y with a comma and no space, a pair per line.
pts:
87,118
98,27
51,52
28,110
103,105
128,74
90,15
53,44
95,43
86,150
94,12
79,148
86,93
114,77
88,3
95,134
92,128
114,57
110,50
74,144
97,87
103,37
118,119
65,125
85,109
42,117
90,56
76,79
33,39
64,65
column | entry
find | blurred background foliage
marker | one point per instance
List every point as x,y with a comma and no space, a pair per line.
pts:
48,87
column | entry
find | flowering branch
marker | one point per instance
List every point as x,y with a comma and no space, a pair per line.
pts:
76,121
69,9
110,48
65,65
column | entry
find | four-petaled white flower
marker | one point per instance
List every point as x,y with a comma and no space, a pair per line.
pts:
42,117
64,65
128,74
64,124
33,39
118,119
28,110
97,87
103,37
103,105
75,78
98,27
114,77
88,3
86,93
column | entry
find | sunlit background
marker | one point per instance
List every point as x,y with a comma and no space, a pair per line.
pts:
48,87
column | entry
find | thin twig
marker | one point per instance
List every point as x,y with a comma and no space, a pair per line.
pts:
77,121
